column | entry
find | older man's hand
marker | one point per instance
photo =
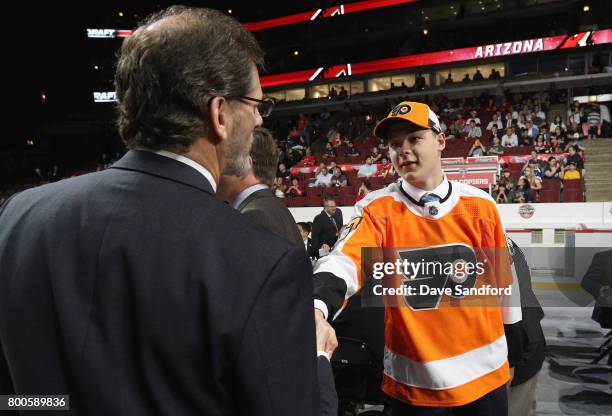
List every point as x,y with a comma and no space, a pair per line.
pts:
326,336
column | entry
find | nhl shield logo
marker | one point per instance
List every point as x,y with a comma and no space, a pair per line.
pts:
433,210
401,109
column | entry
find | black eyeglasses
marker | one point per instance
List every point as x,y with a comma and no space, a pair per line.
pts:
264,106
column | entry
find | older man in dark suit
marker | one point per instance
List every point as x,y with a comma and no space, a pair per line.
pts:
250,191
326,226
135,290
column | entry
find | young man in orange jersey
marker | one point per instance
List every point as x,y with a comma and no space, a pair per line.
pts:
441,357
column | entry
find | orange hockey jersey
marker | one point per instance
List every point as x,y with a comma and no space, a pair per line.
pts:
441,350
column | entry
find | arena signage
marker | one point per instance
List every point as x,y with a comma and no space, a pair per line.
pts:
509,48
108,33
582,39
105,97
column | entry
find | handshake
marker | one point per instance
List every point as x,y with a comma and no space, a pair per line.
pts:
326,336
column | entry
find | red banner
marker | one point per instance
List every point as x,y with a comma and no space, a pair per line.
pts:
524,158
521,47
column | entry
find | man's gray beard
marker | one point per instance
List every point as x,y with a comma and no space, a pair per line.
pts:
237,166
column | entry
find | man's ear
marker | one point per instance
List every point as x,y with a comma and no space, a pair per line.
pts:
441,141
219,113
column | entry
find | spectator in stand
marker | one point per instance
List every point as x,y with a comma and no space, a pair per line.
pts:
496,149
474,132
540,146
290,158
494,74
553,169
308,159
302,126
333,94
594,120
283,172
525,139
522,193
278,187
508,121
367,170
449,79
509,139
319,168
339,179
494,133
574,157
478,76
364,189
535,163
571,172
343,94
386,168
382,146
294,140
557,123
555,145
534,180
351,150
335,138
330,152
500,195
539,116
419,82
295,189
376,155
494,122
323,179
574,114
466,78
532,130
332,168
574,133
545,133
605,120
505,178
477,149
474,118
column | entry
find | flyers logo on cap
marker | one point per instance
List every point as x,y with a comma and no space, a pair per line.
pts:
401,109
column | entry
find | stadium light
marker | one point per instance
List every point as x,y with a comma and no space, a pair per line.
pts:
96,67
229,11
120,14
425,31
586,8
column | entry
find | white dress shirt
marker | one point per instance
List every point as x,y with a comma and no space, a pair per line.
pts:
246,192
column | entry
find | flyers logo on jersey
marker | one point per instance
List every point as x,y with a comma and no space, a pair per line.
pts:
401,109
349,228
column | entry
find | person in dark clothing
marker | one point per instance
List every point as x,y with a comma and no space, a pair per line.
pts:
521,394
326,227
249,191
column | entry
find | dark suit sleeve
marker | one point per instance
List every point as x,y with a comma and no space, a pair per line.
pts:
593,279
316,235
327,388
277,363
6,384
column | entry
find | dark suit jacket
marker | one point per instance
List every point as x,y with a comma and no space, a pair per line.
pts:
599,273
324,231
137,292
269,213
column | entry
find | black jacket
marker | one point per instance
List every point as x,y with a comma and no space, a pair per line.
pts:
528,332
324,231
138,292
269,213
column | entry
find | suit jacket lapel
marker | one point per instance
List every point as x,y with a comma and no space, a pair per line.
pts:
163,167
